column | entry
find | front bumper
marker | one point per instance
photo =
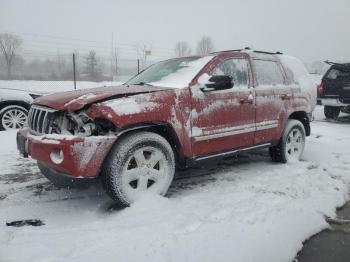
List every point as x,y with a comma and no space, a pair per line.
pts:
80,157
331,102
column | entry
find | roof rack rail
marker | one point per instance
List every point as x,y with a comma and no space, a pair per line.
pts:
269,53
224,51
248,48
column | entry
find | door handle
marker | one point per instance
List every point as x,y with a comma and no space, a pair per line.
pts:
249,100
286,96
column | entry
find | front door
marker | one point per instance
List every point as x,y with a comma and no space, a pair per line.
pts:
223,120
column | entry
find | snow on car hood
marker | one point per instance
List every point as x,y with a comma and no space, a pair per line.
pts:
75,100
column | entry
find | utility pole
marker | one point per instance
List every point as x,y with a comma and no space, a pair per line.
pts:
74,73
112,56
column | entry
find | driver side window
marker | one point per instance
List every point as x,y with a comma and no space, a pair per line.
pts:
237,68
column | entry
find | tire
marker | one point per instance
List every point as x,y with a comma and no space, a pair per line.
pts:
13,117
139,162
345,109
61,180
331,112
287,149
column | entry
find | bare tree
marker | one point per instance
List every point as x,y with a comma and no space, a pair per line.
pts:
9,45
92,66
182,48
60,63
205,46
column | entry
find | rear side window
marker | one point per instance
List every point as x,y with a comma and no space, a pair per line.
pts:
237,68
268,72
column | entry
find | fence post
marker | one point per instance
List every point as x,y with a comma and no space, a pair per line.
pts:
74,73
138,66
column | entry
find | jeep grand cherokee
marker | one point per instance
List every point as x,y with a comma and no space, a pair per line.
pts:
175,113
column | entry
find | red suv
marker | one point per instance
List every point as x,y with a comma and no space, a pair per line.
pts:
174,113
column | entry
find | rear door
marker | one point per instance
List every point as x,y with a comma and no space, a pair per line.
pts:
224,119
273,100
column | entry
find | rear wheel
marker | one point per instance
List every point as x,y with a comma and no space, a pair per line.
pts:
139,162
331,112
345,109
292,143
13,117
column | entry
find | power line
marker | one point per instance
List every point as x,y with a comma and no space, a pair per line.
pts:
88,48
103,55
64,38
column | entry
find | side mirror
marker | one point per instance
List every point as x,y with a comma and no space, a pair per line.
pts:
218,83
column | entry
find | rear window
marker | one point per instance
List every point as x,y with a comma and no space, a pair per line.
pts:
295,70
337,74
268,72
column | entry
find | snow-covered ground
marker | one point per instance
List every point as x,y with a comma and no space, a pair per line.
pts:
46,87
238,209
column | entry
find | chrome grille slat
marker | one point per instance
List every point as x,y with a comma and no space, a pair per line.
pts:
43,128
30,123
38,120
35,119
29,116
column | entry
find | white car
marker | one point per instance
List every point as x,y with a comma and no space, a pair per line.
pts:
14,106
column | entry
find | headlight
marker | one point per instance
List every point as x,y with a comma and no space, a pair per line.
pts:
82,124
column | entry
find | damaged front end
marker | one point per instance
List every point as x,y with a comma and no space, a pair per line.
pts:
43,120
71,143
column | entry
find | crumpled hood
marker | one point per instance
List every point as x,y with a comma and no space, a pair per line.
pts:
75,100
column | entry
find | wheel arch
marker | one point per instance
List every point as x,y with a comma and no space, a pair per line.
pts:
4,104
162,129
303,117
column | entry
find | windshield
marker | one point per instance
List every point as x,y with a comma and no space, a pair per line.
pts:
175,73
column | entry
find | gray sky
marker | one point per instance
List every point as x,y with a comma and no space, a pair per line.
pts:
309,29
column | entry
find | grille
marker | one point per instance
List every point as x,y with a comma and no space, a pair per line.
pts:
39,119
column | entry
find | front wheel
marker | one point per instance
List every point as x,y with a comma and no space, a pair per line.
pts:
291,145
13,117
139,162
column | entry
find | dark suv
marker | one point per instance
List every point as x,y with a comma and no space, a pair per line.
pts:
175,113
334,90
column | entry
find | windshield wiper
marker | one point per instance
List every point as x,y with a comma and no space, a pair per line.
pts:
143,84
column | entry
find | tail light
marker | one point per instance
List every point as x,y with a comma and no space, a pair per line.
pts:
320,90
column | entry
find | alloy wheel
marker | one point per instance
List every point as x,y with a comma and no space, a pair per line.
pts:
145,171
13,118
294,144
